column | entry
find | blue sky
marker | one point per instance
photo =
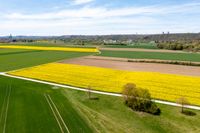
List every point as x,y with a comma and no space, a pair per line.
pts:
97,17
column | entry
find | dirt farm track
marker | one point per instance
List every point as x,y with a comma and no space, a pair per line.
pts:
133,66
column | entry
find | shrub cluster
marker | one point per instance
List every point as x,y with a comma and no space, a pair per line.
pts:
139,99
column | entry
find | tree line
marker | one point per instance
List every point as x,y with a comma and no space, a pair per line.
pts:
179,45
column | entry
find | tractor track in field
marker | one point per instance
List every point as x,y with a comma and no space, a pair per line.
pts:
94,91
56,114
7,106
4,110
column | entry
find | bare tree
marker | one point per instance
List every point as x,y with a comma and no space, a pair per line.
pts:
182,101
89,92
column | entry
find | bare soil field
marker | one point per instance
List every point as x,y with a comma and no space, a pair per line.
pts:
133,66
144,50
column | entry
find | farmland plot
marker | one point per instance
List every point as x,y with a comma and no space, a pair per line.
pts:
24,109
162,86
11,59
87,50
193,57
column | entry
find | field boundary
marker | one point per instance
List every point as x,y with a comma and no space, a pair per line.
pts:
94,91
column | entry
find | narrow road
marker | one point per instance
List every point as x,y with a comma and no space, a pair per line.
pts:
93,91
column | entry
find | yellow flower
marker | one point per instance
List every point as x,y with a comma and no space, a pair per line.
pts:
162,86
51,48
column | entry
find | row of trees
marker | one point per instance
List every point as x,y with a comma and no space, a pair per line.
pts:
180,45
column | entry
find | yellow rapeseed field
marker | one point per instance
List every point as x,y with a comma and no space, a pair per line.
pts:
161,86
51,48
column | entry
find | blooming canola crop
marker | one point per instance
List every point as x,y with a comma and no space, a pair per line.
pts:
162,86
51,48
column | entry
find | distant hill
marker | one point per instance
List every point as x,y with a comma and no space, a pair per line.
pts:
134,37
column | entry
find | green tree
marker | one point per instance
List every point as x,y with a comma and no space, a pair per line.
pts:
139,99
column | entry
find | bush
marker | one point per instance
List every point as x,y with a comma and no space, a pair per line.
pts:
139,99
154,109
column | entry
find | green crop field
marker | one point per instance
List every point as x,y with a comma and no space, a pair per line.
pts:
136,45
14,51
26,108
195,57
11,59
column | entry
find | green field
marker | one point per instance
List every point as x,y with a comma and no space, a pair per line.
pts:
14,51
29,111
11,59
136,45
195,57
24,109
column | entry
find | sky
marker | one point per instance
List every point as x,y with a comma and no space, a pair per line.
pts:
98,17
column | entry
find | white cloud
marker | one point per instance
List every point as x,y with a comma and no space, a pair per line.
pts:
102,12
101,20
86,12
80,2
74,26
